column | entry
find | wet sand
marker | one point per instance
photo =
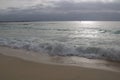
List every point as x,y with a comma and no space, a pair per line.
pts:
12,68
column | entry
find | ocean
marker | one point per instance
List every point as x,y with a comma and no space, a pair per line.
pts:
88,39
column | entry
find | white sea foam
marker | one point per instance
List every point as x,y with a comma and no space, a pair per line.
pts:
62,49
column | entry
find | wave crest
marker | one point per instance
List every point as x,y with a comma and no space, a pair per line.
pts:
61,49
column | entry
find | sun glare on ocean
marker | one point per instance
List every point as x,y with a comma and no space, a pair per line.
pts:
86,29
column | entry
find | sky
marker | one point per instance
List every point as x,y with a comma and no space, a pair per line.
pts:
52,10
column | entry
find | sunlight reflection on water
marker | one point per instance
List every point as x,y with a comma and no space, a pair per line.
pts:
88,29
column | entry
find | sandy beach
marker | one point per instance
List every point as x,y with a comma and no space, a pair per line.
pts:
12,68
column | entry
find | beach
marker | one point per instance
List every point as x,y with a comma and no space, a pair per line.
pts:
13,68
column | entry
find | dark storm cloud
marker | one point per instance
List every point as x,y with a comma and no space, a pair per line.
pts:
64,10
87,6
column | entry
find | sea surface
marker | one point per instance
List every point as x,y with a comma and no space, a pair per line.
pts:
88,39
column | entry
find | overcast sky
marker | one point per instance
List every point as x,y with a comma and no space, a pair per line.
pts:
45,10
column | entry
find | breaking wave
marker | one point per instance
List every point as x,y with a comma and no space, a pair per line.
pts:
61,49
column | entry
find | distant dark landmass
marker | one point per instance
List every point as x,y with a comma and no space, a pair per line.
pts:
60,17
55,20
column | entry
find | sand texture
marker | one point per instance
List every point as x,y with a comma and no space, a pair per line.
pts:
12,68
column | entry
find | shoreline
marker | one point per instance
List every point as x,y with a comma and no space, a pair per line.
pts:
13,68
57,60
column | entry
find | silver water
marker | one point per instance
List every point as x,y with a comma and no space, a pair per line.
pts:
89,39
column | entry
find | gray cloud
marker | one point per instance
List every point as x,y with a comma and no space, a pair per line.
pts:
64,10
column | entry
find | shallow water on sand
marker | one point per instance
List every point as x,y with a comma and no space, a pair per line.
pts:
58,60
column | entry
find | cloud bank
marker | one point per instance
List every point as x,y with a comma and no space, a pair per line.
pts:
52,10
